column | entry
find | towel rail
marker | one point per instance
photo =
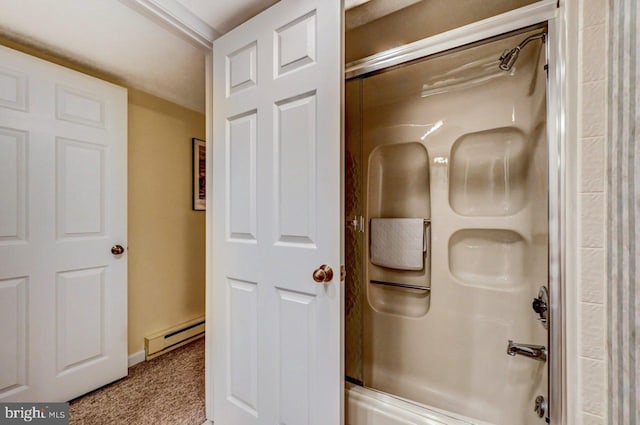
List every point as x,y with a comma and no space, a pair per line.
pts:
351,222
400,285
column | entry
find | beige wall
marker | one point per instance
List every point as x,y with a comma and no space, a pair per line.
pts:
166,238
591,182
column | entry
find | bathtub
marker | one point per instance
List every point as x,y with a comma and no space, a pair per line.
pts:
369,407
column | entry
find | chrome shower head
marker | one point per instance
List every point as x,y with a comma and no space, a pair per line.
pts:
509,57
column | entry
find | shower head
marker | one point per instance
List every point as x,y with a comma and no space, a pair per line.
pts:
509,57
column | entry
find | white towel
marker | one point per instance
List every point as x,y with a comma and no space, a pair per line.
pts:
398,243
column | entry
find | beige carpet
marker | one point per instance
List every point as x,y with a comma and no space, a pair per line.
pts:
166,390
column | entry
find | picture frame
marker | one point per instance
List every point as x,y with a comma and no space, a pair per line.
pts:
199,171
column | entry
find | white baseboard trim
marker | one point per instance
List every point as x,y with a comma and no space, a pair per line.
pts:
135,358
208,422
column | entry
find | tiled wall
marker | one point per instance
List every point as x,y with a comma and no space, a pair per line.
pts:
592,88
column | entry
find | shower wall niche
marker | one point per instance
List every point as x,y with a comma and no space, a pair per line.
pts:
489,172
398,188
459,143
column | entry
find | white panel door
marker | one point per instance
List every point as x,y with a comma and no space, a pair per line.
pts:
276,214
63,171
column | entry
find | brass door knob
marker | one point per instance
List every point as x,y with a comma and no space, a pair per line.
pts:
117,250
323,274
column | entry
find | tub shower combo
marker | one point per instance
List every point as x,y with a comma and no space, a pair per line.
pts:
447,236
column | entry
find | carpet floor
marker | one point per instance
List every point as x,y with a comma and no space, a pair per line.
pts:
166,390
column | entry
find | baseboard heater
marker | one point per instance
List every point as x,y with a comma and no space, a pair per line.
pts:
162,342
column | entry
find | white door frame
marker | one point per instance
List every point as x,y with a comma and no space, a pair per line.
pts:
208,381
562,19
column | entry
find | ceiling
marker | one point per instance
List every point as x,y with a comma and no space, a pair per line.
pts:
139,43
118,40
223,15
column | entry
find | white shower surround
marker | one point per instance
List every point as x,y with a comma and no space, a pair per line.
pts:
561,115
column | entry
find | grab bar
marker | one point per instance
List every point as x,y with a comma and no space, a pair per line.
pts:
400,285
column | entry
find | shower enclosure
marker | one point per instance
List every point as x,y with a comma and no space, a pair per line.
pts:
454,145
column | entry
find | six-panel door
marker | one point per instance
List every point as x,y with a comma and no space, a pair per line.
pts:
63,175
276,214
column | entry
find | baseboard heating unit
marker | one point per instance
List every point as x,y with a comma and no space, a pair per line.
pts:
162,342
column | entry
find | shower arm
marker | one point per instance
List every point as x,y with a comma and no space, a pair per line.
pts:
542,35
509,57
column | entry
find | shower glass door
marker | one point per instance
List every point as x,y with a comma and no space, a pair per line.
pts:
455,141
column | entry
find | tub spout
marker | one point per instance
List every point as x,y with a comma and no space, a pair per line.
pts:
536,352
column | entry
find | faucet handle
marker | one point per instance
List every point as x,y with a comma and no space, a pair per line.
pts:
540,305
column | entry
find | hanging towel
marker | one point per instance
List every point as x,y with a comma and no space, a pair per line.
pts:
398,243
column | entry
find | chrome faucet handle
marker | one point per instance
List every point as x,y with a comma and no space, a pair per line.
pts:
536,352
540,305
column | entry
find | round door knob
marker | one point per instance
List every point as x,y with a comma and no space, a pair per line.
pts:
117,250
323,274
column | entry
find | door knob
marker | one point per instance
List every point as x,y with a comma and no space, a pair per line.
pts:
323,274
117,250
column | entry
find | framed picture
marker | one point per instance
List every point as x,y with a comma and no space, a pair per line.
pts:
199,174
